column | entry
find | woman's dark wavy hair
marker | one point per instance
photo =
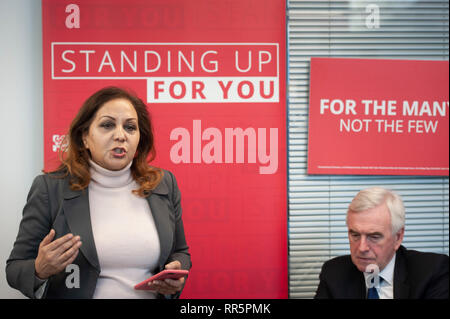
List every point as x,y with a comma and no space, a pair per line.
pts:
75,157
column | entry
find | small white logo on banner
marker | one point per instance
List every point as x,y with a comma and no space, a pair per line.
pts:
58,142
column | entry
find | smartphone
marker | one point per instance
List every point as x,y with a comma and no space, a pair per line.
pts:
167,273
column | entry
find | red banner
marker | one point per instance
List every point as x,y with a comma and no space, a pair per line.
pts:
379,117
213,74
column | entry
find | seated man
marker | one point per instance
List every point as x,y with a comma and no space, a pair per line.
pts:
376,224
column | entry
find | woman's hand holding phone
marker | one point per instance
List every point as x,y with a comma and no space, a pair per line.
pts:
165,286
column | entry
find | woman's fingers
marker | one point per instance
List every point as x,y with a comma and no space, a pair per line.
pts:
168,286
173,265
66,245
48,239
176,283
54,256
71,259
68,254
56,244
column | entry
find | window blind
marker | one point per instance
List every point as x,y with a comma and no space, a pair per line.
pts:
317,205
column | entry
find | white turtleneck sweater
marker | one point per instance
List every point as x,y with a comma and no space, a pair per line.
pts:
124,231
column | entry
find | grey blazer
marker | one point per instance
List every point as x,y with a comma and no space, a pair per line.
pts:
52,204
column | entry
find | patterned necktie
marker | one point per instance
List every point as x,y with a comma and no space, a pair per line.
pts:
372,293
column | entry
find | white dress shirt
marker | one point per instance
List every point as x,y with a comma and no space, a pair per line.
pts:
386,287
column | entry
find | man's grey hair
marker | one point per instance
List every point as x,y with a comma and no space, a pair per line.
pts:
375,196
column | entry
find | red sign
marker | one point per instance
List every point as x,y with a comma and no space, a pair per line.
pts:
378,117
213,74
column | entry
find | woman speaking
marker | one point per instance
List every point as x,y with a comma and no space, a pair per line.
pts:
104,220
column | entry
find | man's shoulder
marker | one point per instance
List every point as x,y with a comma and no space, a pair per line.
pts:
426,272
339,270
422,259
339,264
339,260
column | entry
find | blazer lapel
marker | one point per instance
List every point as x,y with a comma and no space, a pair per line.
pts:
401,285
160,208
76,210
356,286
360,286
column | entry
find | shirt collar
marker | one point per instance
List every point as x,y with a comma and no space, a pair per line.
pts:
388,272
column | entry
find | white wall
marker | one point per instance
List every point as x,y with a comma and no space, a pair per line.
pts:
21,120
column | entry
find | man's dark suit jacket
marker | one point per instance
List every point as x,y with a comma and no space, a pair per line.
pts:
52,204
417,275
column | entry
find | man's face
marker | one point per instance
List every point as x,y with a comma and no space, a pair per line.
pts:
371,238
